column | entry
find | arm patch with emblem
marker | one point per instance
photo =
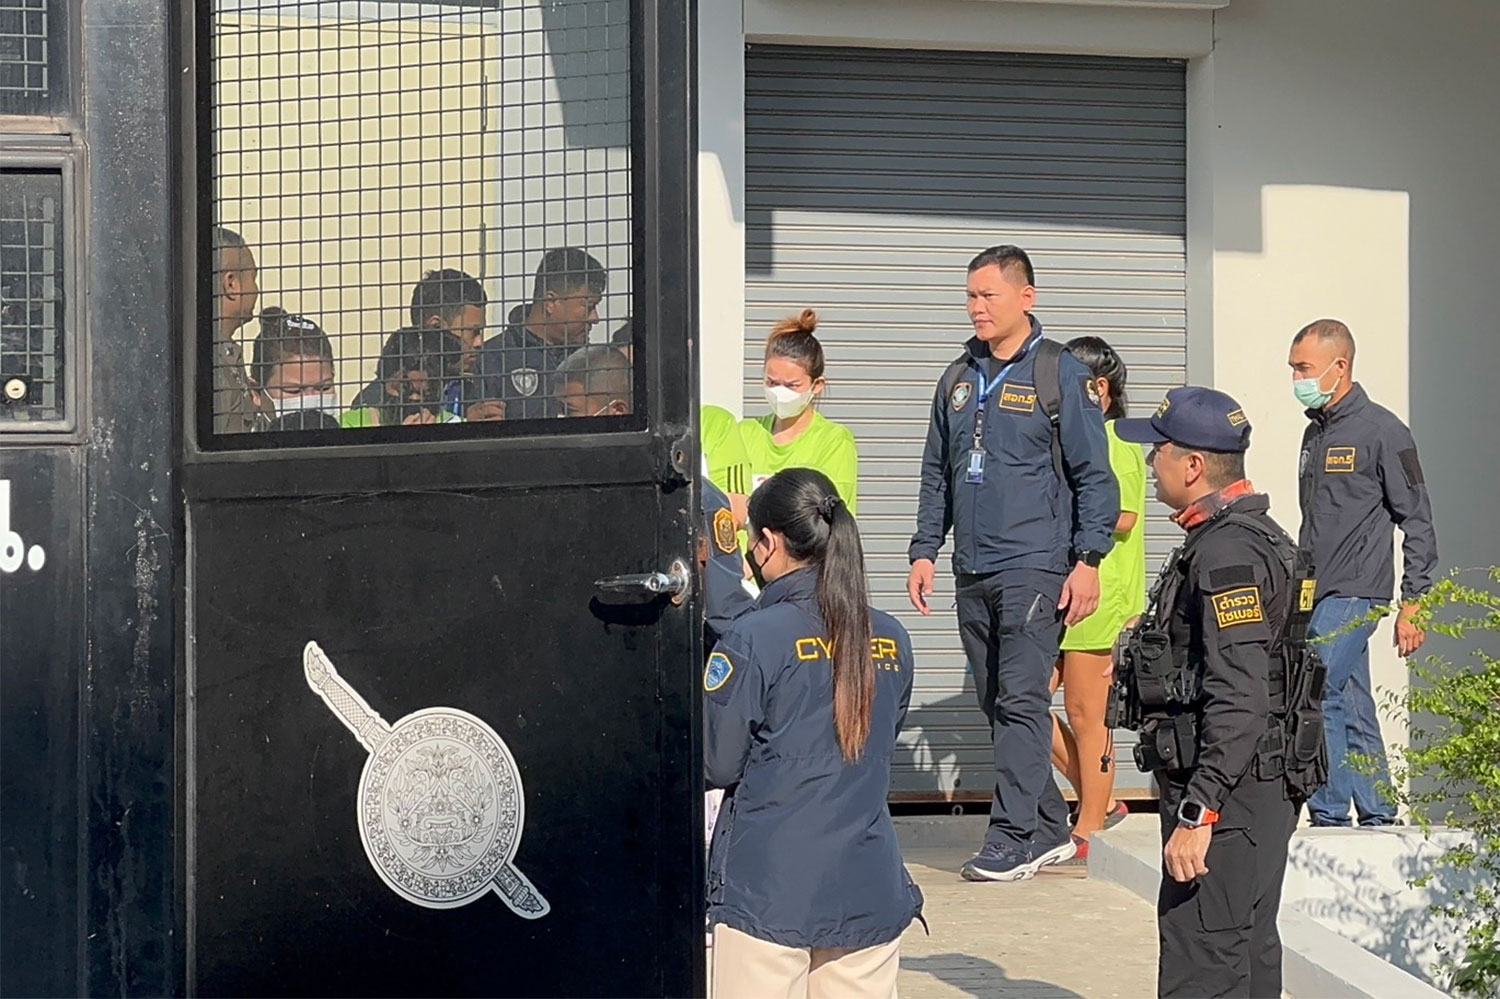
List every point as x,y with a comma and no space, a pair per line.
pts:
1411,466
1241,605
717,672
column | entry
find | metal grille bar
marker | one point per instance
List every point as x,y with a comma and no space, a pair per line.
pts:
25,34
31,300
423,210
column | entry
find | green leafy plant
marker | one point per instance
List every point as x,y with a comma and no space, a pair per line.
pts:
1449,774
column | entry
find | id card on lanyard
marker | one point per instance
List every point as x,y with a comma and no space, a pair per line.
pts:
974,474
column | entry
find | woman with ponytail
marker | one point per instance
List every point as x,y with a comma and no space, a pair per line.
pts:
803,701
795,434
1083,748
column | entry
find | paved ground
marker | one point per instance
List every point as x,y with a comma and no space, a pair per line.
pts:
1057,936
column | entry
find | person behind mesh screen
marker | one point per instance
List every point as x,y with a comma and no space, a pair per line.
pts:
594,381
515,366
450,299
415,365
292,366
238,407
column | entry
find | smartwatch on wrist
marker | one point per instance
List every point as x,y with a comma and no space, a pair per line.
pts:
1194,814
1092,559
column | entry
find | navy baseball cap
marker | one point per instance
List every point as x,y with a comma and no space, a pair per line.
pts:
1192,416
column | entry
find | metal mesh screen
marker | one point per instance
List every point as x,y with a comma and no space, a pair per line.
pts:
422,213
32,76
31,302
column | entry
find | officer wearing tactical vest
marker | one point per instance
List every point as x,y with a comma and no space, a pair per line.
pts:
1219,680
1017,463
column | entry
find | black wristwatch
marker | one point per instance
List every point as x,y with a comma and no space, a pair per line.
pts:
1091,559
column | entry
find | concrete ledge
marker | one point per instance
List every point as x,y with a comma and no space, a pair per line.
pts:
925,832
1317,961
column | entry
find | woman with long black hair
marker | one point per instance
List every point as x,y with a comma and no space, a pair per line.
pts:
1083,748
803,701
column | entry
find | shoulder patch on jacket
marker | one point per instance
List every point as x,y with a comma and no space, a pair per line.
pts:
1411,466
1230,575
724,534
1238,606
717,672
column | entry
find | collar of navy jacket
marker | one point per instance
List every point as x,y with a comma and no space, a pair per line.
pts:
1349,405
979,351
797,586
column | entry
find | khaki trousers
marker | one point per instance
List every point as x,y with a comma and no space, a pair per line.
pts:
747,968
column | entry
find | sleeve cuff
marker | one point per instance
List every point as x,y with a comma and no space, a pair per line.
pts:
1210,796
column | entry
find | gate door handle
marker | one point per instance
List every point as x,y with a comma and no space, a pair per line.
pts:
673,583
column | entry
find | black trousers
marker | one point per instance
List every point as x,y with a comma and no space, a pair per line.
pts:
1218,933
1011,629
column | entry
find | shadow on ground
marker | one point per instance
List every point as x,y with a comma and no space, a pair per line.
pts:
982,979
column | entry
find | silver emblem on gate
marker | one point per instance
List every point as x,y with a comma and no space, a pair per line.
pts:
440,803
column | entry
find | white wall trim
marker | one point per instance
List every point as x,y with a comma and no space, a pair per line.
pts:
1064,28
1200,221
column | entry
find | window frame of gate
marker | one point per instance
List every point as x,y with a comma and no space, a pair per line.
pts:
663,146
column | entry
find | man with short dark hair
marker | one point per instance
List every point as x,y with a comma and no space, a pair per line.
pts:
1220,688
238,407
516,365
450,299
594,381
1358,479
1017,464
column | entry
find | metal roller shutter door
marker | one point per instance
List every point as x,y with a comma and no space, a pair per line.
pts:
872,176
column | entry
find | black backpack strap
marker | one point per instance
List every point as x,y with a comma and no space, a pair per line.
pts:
1049,394
952,374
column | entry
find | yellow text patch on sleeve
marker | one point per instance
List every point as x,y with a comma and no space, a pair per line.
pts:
1235,607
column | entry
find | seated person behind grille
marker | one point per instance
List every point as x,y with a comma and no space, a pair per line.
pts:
594,381
452,300
516,365
291,364
415,364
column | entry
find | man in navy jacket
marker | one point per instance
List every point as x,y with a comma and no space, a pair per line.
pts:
1029,530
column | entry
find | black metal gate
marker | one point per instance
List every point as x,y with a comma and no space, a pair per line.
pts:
309,688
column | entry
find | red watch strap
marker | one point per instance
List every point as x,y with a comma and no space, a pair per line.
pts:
1209,817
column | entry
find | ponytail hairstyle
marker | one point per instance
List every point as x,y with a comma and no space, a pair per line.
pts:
1102,361
802,505
285,335
793,339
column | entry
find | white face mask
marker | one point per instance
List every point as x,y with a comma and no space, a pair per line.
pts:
787,403
328,402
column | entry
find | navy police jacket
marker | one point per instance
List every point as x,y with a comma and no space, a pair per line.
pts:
725,599
1358,479
1020,516
804,853
516,366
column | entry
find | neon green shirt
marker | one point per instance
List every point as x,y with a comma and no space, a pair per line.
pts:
1122,576
824,445
370,417
728,464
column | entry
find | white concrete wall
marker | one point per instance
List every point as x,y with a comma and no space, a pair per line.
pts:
1351,152
1342,161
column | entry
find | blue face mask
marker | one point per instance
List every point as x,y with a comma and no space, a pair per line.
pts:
1309,391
